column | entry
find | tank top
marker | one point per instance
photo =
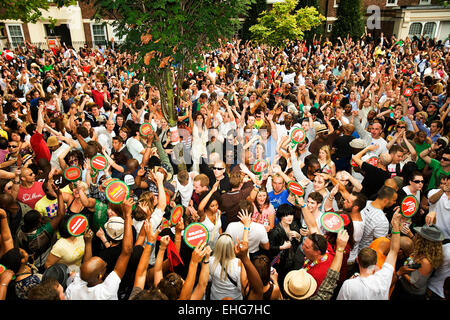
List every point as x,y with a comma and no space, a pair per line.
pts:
211,226
85,211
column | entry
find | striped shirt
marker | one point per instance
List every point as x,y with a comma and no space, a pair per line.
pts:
375,225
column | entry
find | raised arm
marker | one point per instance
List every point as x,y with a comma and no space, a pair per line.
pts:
256,285
197,256
6,237
127,242
158,269
307,216
141,271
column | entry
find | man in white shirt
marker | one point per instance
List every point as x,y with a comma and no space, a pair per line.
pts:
257,234
373,283
90,283
105,134
375,222
133,144
374,137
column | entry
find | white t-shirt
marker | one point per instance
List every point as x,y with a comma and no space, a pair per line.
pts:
256,236
185,191
382,146
222,288
373,287
436,281
135,147
55,154
107,290
358,229
375,225
442,209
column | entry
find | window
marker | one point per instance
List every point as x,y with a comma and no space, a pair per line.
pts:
329,27
415,29
391,3
336,3
98,34
425,2
15,35
429,29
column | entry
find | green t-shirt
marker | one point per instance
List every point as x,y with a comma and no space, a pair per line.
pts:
419,148
437,171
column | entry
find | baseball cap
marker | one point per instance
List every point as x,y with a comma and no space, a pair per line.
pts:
114,228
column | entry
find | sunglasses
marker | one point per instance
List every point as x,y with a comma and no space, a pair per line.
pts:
401,127
12,146
216,168
418,181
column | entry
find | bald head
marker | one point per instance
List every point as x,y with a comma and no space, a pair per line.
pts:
391,183
93,270
385,159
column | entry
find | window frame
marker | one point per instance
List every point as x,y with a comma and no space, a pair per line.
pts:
105,34
7,25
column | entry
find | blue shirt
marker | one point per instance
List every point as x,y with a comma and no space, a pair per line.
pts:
278,199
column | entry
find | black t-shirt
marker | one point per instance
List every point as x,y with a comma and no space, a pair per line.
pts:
342,146
110,256
374,179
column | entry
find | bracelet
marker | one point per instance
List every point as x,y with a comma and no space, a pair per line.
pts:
245,228
256,186
303,206
395,232
149,243
340,249
2,284
330,198
205,262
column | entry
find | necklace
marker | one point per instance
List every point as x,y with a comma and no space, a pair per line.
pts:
308,266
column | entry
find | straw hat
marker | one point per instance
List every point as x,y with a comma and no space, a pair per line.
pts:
299,284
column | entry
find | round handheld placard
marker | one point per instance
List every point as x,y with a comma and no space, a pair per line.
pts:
194,233
165,223
177,214
260,166
72,173
77,225
296,188
117,192
298,135
373,161
99,162
2,268
146,129
408,92
409,206
417,87
332,222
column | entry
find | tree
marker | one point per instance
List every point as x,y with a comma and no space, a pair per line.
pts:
166,34
28,11
349,21
318,30
252,18
282,23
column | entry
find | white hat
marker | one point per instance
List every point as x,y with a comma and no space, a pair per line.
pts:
299,284
114,228
358,143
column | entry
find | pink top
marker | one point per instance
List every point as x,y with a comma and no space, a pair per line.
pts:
264,216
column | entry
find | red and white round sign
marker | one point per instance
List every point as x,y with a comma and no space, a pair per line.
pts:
408,92
409,206
260,166
176,215
72,173
77,225
295,188
332,222
298,135
146,129
117,191
194,233
417,87
99,162
373,161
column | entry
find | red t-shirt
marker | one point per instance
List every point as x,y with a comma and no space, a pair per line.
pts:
319,270
31,195
98,97
40,147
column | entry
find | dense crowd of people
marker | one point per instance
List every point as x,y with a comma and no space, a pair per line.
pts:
374,113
